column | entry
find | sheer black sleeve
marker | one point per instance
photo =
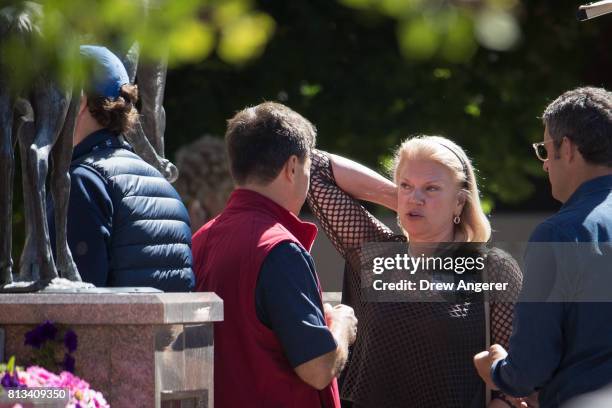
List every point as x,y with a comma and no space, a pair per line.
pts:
345,221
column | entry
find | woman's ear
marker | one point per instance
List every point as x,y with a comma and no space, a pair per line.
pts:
461,200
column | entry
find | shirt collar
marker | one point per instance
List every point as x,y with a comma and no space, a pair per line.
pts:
243,199
98,138
588,187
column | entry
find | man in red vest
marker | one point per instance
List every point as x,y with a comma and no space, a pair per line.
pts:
277,345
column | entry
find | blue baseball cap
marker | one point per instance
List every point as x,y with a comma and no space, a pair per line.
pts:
109,74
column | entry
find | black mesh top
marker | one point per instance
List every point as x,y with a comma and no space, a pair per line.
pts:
407,354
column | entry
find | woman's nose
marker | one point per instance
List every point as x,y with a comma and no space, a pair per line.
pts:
417,197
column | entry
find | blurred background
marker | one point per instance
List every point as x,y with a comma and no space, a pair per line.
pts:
368,74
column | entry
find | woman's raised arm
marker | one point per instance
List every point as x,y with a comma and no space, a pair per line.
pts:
362,183
345,221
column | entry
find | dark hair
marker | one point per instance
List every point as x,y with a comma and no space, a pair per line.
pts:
262,138
118,115
584,115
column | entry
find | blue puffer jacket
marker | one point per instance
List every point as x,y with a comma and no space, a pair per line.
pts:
149,242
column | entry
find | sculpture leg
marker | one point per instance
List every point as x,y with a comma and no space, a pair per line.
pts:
7,164
129,59
28,255
143,148
61,155
50,105
148,135
151,87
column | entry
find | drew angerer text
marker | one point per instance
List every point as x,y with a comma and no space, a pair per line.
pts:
426,285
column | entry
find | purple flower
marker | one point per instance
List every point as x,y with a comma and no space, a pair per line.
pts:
48,330
41,333
70,341
68,363
6,380
9,381
32,338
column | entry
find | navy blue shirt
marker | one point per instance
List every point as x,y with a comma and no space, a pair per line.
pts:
288,302
564,348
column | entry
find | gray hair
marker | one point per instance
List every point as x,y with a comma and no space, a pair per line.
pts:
583,115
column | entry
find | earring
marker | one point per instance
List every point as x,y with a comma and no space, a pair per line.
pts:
457,219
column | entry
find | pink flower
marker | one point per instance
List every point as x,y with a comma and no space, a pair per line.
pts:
81,395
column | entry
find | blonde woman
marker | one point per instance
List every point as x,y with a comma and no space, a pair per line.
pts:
411,354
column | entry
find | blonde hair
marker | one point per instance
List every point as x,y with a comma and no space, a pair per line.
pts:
474,223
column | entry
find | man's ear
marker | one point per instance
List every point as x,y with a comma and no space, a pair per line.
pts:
570,150
291,167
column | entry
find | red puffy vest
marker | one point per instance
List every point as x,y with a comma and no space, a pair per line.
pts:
251,369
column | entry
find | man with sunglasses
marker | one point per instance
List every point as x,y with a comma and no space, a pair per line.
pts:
561,346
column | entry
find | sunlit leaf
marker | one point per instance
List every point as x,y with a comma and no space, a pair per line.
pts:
459,44
245,38
487,204
310,90
472,109
230,10
418,38
442,73
192,41
386,164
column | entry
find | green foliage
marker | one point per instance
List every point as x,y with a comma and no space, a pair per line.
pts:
448,30
178,31
10,366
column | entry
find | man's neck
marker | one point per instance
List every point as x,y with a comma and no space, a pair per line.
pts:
81,133
271,191
588,173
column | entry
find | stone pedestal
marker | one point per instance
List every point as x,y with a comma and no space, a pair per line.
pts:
140,350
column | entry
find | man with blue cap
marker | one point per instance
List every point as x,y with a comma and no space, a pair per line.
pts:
127,226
